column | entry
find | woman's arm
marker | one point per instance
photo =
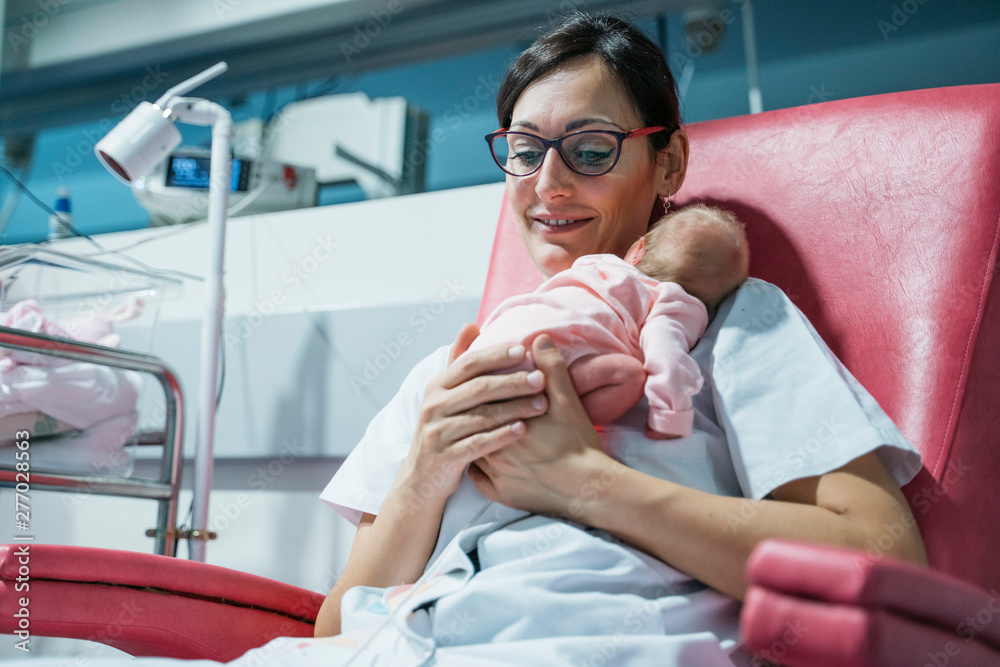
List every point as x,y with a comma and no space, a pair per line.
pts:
559,468
466,413
710,537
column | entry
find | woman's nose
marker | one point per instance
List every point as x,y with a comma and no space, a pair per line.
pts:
554,178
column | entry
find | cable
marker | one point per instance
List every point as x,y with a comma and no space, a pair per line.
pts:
251,196
23,188
222,366
323,88
9,206
170,231
416,585
45,207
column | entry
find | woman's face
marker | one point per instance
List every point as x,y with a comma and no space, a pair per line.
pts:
563,215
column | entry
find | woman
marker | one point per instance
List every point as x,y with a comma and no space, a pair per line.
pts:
582,181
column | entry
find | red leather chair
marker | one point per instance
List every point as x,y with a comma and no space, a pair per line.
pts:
880,217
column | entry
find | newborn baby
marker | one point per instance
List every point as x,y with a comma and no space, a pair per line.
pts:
625,327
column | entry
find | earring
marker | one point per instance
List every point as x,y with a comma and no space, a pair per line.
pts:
666,203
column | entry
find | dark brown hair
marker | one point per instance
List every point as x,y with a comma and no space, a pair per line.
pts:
628,53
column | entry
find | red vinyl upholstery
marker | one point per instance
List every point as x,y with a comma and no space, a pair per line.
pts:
824,607
151,605
880,218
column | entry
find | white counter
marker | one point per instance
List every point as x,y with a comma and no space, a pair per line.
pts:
326,311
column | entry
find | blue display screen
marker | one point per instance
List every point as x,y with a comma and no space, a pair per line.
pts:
186,171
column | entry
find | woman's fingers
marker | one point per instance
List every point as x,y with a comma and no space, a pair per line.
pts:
487,395
486,442
492,416
557,379
480,362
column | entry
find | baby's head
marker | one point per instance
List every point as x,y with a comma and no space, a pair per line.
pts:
702,248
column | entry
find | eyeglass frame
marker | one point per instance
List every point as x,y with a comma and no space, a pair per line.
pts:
557,144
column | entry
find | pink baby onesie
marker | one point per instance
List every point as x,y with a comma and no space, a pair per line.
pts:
621,333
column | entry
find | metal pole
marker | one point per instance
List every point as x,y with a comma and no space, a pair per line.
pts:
211,326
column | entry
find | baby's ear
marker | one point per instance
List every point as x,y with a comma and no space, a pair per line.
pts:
636,252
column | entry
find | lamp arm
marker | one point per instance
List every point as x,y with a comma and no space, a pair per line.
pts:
143,138
186,86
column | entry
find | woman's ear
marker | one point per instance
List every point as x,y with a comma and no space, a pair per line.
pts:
674,162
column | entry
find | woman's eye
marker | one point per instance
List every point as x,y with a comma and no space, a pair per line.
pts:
527,157
592,156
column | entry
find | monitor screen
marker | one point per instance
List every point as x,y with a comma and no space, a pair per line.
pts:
188,171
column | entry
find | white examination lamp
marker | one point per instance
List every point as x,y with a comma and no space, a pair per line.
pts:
143,139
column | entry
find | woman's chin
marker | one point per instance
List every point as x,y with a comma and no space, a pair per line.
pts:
553,259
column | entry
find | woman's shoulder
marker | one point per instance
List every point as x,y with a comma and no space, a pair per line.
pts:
755,288
755,300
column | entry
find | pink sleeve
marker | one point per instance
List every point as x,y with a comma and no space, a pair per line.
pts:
673,326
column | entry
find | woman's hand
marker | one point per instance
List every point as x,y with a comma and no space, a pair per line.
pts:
469,412
549,468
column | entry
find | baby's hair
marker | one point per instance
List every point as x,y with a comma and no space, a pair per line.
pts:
709,262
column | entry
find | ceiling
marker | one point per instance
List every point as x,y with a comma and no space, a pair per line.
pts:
72,61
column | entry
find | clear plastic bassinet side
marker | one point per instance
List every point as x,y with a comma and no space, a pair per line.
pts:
99,418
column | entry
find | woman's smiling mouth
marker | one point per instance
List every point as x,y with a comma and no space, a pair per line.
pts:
561,224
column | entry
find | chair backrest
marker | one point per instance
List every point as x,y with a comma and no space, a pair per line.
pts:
880,218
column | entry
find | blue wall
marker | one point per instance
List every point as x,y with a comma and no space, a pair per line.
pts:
809,52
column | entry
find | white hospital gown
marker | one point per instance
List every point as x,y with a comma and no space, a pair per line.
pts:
509,588
776,406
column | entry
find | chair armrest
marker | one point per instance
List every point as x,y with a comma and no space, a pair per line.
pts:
817,605
146,604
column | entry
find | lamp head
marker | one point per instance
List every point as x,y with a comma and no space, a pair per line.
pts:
138,143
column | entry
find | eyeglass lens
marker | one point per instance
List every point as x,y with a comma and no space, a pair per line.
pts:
587,152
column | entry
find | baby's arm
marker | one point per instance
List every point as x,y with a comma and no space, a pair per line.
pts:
673,325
